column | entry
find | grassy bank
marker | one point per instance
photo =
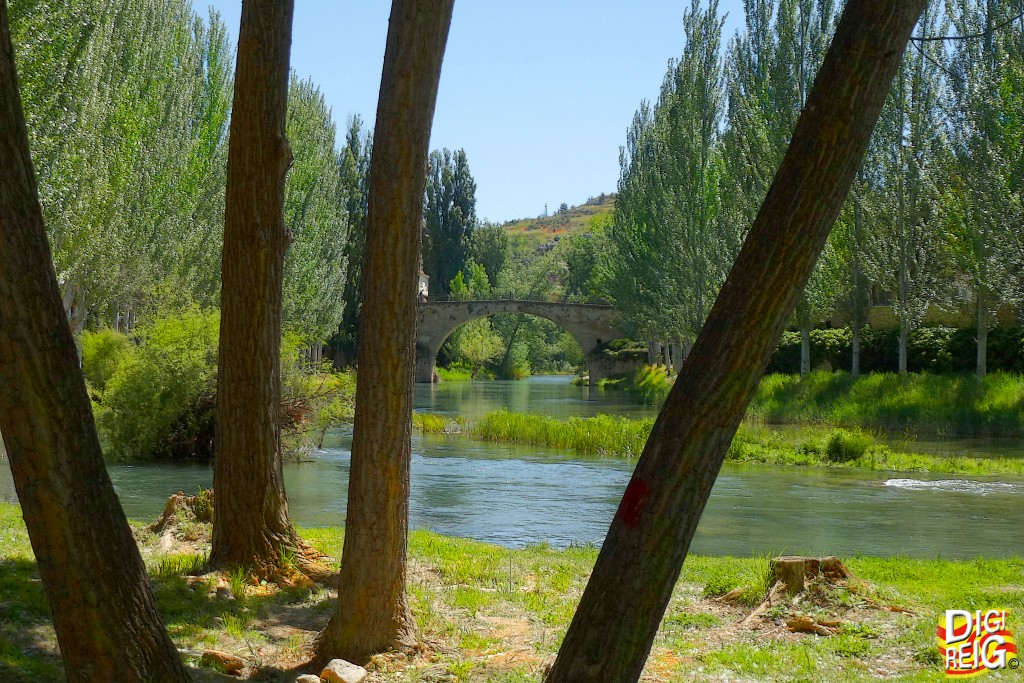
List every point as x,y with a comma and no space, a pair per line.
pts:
813,445
962,405
924,404
491,614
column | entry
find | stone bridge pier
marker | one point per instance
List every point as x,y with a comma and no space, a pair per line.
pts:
591,325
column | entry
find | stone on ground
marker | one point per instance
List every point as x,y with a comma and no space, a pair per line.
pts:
228,663
340,671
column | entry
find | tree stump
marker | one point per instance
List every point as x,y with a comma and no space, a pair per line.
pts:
794,570
790,571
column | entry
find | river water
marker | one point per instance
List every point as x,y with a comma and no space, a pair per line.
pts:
514,495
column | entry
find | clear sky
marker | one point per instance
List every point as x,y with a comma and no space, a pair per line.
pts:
538,92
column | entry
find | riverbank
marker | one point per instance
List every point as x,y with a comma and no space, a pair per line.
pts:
810,445
491,614
960,405
924,404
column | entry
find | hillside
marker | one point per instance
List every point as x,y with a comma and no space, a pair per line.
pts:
573,221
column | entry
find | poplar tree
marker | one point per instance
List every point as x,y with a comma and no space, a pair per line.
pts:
103,607
449,217
251,527
314,267
669,250
983,194
353,172
636,571
372,612
907,240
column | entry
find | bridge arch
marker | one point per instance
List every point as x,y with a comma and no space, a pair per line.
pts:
590,325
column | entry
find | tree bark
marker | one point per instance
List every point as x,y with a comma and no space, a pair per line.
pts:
103,609
855,352
804,315
618,616
250,524
982,351
372,613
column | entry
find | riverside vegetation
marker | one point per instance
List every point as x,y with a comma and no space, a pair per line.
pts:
492,614
154,392
831,420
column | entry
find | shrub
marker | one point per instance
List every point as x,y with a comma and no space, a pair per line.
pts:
159,402
102,353
649,383
313,398
846,445
929,349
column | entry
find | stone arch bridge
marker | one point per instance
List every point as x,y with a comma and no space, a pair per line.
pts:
590,325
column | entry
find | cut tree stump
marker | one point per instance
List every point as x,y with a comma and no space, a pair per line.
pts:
198,507
794,570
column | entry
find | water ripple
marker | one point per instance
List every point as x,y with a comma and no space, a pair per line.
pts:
981,488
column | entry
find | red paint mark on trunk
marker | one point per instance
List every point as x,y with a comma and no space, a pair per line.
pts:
633,502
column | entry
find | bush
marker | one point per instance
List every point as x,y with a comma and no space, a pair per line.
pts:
313,399
649,383
102,353
159,402
846,445
929,349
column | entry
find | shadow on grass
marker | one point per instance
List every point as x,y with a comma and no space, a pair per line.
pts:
282,622
28,647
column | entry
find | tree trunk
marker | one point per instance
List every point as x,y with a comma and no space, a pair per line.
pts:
903,340
372,612
250,524
857,298
855,352
618,616
103,610
982,304
804,314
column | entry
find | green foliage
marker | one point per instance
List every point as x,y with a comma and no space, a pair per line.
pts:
353,177
649,383
160,401
846,445
315,213
449,215
952,405
489,246
929,349
601,434
668,253
127,104
102,353
313,399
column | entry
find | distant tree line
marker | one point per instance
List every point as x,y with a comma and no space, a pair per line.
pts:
934,216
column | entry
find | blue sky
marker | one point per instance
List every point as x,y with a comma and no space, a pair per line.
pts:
538,92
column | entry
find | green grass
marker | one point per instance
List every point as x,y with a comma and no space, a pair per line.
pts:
492,614
432,423
809,445
601,434
948,405
454,374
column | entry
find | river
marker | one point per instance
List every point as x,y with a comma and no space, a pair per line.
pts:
514,495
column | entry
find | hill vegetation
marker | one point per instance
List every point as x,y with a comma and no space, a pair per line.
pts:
564,221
